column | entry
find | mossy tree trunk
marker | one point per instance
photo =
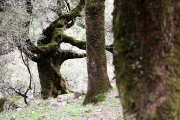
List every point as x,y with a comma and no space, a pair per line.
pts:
52,82
49,56
98,81
146,58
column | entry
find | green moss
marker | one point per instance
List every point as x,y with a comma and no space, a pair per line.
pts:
99,83
101,97
127,51
2,101
134,47
97,95
172,101
13,105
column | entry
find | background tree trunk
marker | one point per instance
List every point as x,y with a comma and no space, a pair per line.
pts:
146,58
98,81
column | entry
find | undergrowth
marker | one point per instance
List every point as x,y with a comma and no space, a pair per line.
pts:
110,109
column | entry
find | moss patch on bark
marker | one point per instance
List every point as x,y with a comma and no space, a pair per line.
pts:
146,58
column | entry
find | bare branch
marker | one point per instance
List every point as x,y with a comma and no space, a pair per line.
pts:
24,95
18,91
68,5
29,7
26,63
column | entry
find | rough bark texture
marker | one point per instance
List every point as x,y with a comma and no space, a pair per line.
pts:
98,81
52,82
146,58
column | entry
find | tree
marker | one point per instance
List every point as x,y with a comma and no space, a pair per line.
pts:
146,58
98,81
49,56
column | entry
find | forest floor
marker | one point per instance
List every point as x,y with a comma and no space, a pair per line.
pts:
66,107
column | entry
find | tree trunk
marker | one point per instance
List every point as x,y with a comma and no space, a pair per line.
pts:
98,81
52,82
146,58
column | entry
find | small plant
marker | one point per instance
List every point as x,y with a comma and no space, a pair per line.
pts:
6,105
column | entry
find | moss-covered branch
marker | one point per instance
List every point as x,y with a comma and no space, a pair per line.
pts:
78,43
81,44
71,54
54,34
42,50
74,12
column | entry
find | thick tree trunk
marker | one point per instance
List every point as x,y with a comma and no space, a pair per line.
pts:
146,58
98,81
52,82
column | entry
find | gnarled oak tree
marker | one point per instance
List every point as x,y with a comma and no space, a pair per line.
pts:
49,56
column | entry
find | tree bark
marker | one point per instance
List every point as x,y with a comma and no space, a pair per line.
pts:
146,58
51,80
98,81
